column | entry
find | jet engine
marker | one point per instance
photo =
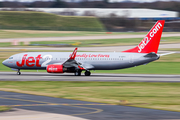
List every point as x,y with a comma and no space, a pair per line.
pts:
55,68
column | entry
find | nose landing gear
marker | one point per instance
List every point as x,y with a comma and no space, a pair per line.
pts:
18,72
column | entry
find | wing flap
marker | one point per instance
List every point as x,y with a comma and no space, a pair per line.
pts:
87,66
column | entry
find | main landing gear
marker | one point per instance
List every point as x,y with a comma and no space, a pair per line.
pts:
78,73
18,72
87,73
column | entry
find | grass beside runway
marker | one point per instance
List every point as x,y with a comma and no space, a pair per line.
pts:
4,108
108,42
170,49
151,68
95,43
164,96
39,33
46,33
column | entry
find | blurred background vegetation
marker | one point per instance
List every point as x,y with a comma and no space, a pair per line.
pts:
31,17
30,20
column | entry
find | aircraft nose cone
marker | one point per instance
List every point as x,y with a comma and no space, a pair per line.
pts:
4,62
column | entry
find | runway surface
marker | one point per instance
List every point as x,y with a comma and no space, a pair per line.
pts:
32,76
80,109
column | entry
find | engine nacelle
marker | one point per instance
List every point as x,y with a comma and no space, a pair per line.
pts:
55,68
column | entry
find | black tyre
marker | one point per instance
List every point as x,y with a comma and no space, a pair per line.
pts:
77,73
87,73
18,73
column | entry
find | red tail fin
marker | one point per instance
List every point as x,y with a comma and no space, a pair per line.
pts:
151,41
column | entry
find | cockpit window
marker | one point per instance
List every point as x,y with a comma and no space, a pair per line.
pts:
11,58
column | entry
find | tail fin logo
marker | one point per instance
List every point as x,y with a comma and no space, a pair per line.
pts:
151,41
147,39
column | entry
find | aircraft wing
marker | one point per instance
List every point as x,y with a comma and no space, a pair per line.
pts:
71,62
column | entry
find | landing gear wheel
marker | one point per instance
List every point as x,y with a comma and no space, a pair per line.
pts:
87,73
78,73
18,73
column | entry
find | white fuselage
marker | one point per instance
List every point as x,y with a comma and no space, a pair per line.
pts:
90,60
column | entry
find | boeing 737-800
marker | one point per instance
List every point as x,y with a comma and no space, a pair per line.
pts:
76,62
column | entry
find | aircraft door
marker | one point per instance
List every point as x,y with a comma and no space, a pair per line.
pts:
14,62
131,59
17,59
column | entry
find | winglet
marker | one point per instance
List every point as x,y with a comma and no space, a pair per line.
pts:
151,41
73,54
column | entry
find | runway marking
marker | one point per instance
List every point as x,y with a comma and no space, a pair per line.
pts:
47,103
49,76
97,110
52,104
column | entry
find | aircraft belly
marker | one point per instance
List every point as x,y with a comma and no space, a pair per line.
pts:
108,65
112,65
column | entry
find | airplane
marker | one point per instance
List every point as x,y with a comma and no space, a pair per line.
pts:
76,62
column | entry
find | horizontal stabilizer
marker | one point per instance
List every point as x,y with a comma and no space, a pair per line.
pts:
166,53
